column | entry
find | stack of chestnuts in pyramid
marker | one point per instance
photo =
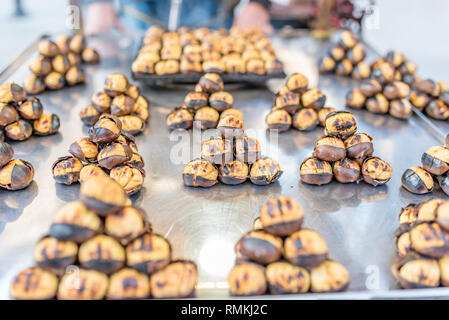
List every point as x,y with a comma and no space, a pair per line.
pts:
121,99
22,116
107,245
344,154
206,107
435,166
346,58
422,243
59,63
298,106
107,151
280,256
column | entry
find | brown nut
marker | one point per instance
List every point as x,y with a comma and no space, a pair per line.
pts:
344,68
218,151
402,109
305,119
428,86
265,171
221,100
436,160
346,170
195,100
177,280
30,109
376,171
297,83
44,285
122,105
95,285
340,123
60,63
136,161
130,178
33,84
361,71
356,53
148,253
47,124
206,118
114,154
106,129
66,170
141,108
281,216
395,58
384,73
323,113
89,115
116,84
247,149
102,253
103,195
132,124
396,90
11,92
330,149
211,82
378,104
127,224
260,246
129,140
355,99
74,58
417,180
89,171
48,48
337,53
179,118
305,248
55,255
63,42
75,222
6,153
284,277
54,80
288,101
359,146
77,43
430,239
16,174
347,39
230,127
313,98
247,279
329,276
419,99
102,101
315,171
84,149
327,65
200,173
370,87
19,130
90,55
235,172
437,110
128,284
40,66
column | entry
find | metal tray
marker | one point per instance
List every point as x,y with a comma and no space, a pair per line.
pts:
357,221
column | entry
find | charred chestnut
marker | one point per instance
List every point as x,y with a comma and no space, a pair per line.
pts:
75,75
136,161
437,110
221,100
281,216
427,210
417,180
260,246
427,86
128,284
89,171
430,239
359,146
408,215
127,224
232,112
402,109
330,276
45,285
384,73
361,71
436,160
95,285
55,255
66,170
355,99
130,178
41,66
102,253
206,117
419,99
47,124
6,153
89,115
247,279
116,84
77,43
337,53
84,149
347,39
16,174
235,172
177,280
19,130
48,48
288,101
60,63
179,118
105,130
305,248
122,105
340,123
11,92
344,68
378,104
33,84
297,83
315,171
284,278
323,113
403,244
442,214
30,109
148,253
218,151
247,149
279,120
327,64
90,55
102,101
305,119
211,82
114,154
265,171
396,90
376,171
370,87
313,98
230,126
132,124
330,149
356,54
195,100
346,170
54,80
200,173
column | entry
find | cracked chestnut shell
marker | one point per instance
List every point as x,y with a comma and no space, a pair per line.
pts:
206,118
330,149
177,280
344,68
436,160
60,63
235,172
247,149
84,149
417,180
101,101
114,154
356,53
200,173
148,253
103,195
355,99
376,171
408,215
44,285
218,151
221,100
179,118
30,109
340,123
396,90
90,170
16,174
330,276
89,115
40,66
370,87
305,119
122,105
11,92
106,129
19,130
132,124
265,171
128,284
130,178
286,278
323,113
75,222
359,146
361,71
419,99
297,83
315,171
281,216
6,153
48,48
195,100
347,39
437,109
346,170
377,104
313,98
63,42
430,239
384,72
232,112
47,124
54,80
402,109
414,271
305,248
55,255
427,86
33,84
230,126
116,84
327,65
211,82
337,53
247,279
95,285
66,170
127,224
77,43
260,246
287,101
102,253
90,55
136,161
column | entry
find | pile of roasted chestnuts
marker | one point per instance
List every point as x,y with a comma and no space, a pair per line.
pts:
432,97
15,174
120,99
344,154
209,106
298,106
346,58
422,243
194,51
103,247
280,257
435,166
21,117
107,151
59,63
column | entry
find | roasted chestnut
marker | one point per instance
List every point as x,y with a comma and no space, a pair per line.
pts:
33,84
230,126
90,55
232,112
200,173
235,172
313,98
221,100
106,129
102,253
274,67
84,149
122,105
247,149
132,124
11,92
218,151
6,153
408,215
265,171
30,109
340,123
361,71
370,87
148,253
34,284
141,111
136,161
130,178
179,118
279,120
89,115
323,113
355,99
288,101
442,214
90,170
376,171
102,101
74,58
103,195
206,118
305,248
55,255
344,68
75,222
16,174
315,171
195,100
177,280
60,63
41,66
419,99
437,109
430,239
378,104
48,48
167,67
77,43
305,119
281,216
327,64
384,73
19,130
337,53
128,284
346,170
428,86
260,246
403,244
330,149
67,169
359,146
356,53
444,269
211,82
330,276
396,90
47,124
284,277
436,160
127,224
247,279
114,154
427,210
297,82
94,285
417,180
402,109
255,66
63,42
347,39
54,80
116,84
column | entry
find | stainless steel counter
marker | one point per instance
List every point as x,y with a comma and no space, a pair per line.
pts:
357,221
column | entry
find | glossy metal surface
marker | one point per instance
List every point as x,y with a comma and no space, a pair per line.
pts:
357,221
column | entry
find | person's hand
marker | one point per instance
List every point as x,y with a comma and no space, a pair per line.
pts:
254,15
101,17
